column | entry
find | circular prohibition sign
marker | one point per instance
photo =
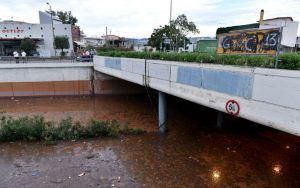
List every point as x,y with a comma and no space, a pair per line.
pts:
232,107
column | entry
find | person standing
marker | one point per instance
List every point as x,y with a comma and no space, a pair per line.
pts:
73,56
16,55
23,56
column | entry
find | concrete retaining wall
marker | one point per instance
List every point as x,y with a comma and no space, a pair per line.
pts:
51,79
45,79
267,96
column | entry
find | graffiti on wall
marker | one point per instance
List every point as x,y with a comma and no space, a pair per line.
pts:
252,42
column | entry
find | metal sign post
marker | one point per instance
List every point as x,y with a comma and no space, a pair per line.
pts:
278,47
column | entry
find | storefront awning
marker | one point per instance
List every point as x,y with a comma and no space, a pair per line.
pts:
80,43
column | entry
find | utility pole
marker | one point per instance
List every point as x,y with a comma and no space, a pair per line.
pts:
106,36
171,12
278,47
171,42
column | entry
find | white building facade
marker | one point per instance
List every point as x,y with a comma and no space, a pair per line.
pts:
12,32
289,29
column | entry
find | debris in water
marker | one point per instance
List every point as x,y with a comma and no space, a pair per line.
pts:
90,156
81,174
17,165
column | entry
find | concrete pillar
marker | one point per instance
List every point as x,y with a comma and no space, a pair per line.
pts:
220,119
162,112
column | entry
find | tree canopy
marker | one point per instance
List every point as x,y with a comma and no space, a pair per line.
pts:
28,45
65,17
62,42
176,32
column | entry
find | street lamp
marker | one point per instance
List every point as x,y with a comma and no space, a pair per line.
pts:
171,7
52,28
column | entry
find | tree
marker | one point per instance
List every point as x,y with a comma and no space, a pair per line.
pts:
28,45
158,37
176,32
184,26
62,42
65,17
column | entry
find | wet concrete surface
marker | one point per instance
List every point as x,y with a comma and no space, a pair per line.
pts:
192,154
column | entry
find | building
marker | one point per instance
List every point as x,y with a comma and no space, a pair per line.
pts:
136,44
206,45
114,40
289,31
12,32
287,24
95,42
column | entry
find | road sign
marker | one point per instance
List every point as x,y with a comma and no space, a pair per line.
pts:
232,107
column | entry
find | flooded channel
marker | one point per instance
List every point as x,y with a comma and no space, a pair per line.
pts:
192,154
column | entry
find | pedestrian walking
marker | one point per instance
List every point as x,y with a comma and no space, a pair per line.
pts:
23,54
16,56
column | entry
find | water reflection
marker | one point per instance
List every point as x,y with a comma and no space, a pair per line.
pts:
277,169
216,175
287,147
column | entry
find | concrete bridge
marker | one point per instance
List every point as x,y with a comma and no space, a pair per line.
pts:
267,96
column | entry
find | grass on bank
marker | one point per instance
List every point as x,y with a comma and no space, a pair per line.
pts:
37,128
286,60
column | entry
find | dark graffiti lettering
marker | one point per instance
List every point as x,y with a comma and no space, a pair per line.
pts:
250,42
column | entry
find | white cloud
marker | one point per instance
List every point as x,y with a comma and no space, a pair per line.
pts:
138,18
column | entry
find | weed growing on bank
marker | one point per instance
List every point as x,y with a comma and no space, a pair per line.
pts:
37,128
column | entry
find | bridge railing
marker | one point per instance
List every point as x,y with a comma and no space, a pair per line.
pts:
39,59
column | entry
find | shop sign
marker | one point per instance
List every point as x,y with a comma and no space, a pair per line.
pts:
12,31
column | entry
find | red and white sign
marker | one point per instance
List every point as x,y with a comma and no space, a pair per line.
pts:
232,107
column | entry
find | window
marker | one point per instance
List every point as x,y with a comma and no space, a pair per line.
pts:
42,35
41,28
29,28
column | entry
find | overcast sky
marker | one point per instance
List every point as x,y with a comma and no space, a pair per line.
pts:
138,18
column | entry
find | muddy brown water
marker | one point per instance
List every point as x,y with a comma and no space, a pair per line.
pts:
192,154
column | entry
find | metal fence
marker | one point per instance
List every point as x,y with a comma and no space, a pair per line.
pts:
38,59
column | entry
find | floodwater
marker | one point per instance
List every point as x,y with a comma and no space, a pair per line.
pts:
192,154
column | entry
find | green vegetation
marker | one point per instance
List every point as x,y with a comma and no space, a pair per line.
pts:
66,17
61,42
176,31
287,60
37,128
28,45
